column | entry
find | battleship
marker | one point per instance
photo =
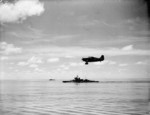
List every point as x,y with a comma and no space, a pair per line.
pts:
79,80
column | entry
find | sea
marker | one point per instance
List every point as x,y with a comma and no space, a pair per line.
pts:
44,97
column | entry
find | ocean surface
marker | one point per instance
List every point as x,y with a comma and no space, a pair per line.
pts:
56,98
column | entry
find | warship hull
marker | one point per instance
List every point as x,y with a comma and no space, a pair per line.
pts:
80,81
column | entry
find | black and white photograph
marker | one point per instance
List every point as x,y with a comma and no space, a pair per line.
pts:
74,57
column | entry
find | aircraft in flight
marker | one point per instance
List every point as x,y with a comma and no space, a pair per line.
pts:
93,59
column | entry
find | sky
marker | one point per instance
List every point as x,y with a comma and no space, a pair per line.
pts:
43,39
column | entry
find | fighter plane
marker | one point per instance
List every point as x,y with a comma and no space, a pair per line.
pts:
92,59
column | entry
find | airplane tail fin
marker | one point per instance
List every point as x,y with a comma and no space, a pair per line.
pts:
102,58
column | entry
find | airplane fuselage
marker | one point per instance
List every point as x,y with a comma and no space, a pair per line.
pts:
91,59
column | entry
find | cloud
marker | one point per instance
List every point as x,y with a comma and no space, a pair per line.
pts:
63,67
51,60
7,49
20,10
36,69
127,48
105,62
112,62
22,63
64,37
69,56
4,58
33,65
140,63
123,65
55,51
76,64
32,62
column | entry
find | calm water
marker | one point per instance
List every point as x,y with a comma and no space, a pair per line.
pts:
57,98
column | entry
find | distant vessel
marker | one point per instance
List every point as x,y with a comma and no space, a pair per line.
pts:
79,80
51,79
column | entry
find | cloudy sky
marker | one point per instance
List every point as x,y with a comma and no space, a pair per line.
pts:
42,39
